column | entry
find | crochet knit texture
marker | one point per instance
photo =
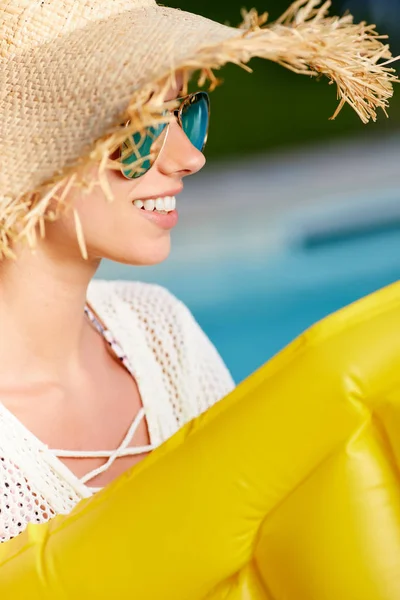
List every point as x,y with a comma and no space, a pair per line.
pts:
179,374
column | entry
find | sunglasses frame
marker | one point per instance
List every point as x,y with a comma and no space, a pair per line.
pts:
185,102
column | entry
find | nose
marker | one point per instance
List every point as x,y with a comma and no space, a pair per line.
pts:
179,156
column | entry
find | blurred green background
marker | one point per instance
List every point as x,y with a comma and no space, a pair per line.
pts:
273,107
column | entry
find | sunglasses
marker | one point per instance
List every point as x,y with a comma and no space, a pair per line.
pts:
143,148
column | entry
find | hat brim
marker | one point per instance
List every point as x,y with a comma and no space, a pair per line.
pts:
60,100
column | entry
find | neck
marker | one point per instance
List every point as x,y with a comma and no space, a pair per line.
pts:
42,323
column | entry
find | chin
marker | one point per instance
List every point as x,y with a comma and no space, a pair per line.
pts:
145,254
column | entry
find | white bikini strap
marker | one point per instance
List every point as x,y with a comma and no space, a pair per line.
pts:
112,455
124,444
102,453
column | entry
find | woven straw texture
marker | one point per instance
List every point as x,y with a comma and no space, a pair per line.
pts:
72,70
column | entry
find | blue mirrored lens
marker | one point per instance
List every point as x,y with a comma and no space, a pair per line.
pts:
195,118
139,147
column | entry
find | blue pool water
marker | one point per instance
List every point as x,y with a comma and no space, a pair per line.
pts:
253,306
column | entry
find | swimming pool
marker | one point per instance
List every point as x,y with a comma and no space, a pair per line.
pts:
251,307
320,229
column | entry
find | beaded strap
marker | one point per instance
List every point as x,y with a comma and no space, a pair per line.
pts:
108,336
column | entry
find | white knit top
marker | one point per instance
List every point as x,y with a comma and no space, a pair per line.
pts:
179,374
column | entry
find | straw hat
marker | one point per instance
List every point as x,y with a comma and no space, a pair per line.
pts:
71,71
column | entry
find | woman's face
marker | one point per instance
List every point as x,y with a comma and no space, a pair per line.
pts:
119,230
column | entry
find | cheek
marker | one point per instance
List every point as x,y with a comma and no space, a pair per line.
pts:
96,211
122,234
117,226
115,230
103,221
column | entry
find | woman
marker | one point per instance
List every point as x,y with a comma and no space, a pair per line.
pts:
79,379
95,374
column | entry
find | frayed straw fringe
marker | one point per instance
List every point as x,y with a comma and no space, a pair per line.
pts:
304,40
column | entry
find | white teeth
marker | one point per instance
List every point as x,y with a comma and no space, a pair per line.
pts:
149,205
163,205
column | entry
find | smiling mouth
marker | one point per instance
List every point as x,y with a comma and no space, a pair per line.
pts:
163,204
